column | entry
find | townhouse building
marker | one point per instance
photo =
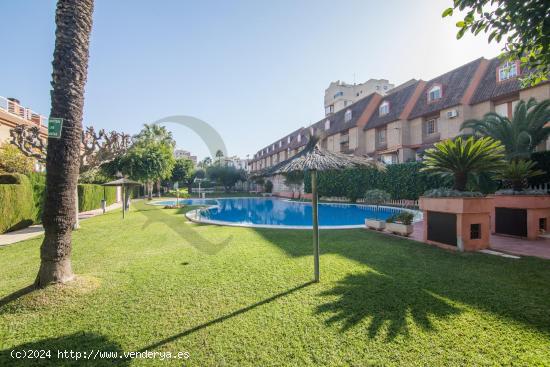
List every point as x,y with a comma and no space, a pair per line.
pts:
400,125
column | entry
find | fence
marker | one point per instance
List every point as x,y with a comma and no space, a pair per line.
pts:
16,109
544,187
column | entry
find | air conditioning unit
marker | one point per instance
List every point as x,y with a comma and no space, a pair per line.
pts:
452,114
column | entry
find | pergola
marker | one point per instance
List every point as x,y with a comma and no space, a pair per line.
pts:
125,183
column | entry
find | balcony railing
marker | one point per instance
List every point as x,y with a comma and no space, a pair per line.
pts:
16,109
431,138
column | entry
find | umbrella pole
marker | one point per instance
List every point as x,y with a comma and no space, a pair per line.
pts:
123,201
315,226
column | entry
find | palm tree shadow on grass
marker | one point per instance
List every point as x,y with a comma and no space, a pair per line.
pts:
489,283
78,342
386,301
183,229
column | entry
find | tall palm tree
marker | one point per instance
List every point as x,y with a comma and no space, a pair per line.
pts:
520,135
459,158
70,68
155,133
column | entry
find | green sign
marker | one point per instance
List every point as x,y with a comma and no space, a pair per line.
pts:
54,127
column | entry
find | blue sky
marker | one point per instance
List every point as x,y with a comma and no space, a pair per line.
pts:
255,70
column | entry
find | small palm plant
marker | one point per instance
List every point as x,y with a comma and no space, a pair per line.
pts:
517,172
461,157
519,135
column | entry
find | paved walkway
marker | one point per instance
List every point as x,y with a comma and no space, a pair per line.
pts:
37,230
511,245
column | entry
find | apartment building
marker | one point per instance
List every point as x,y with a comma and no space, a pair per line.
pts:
180,153
400,125
340,95
12,113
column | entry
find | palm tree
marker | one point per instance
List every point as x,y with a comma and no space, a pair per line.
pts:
70,68
517,172
155,133
520,135
459,158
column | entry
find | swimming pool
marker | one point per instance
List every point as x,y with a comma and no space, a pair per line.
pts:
283,213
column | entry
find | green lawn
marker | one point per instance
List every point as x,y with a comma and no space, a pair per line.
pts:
237,296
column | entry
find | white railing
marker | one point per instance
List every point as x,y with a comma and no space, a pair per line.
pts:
403,203
16,109
544,187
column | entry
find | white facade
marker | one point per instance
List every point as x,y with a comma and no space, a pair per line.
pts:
339,94
237,162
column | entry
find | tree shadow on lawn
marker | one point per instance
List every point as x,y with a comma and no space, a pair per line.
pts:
16,295
89,343
385,301
181,226
224,318
415,275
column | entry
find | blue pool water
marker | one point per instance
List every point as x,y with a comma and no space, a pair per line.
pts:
281,212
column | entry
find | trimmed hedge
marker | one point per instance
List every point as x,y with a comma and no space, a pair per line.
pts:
90,196
16,203
402,181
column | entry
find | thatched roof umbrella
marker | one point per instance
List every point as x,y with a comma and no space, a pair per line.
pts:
311,159
125,183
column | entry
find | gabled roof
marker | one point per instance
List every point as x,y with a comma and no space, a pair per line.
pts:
337,120
489,88
284,146
397,99
454,84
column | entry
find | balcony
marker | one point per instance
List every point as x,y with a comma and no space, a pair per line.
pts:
381,145
14,108
431,138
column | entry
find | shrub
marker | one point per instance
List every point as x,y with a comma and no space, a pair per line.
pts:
17,207
401,181
90,196
445,192
403,217
376,196
13,161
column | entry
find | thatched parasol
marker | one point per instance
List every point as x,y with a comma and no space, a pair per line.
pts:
125,183
311,159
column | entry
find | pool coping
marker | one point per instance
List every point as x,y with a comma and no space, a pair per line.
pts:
194,216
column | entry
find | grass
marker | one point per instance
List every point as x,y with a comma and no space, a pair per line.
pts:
237,297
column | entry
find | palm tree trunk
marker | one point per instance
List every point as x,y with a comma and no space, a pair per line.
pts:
461,179
70,67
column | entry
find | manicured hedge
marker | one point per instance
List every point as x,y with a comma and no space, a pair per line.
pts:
90,196
16,203
402,181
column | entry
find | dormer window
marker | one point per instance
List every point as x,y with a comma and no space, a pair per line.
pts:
299,138
327,124
384,108
347,116
434,93
288,140
508,70
280,143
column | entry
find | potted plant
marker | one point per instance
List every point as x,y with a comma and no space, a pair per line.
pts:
400,223
456,217
376,197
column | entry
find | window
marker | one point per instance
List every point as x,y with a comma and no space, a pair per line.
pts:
338,94
381,136
384,108
347,116
288,140
508,70
329,109
431,126
280,143
434,93
327,124
299,138
385,87
345,103
475,231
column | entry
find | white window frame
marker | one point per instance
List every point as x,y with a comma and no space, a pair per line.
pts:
433,90
508,70
347,116
433,124
380,133
384,108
